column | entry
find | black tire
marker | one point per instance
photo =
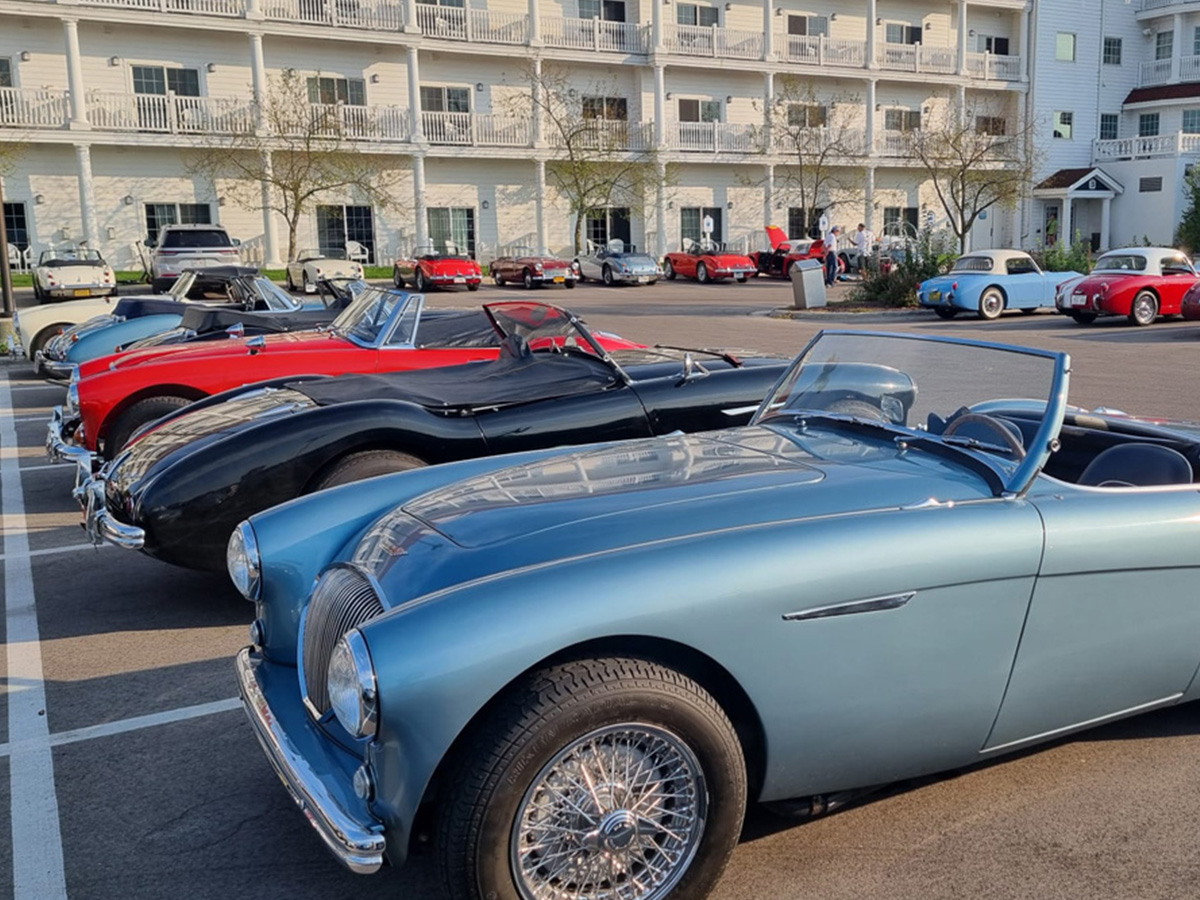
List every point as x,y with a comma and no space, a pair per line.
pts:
1083,318
544,714
702,273
291,285
397,278
419,282
45,336
861,408
498,278
367,464
37,292
473,286
606,275
946,312
1144,309
527,280
668,271
569,284
135,417
991,304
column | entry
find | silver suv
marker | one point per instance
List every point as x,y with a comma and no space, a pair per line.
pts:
183,247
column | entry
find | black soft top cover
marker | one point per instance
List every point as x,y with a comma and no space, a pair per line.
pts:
136,307
456,328
516,377
204,319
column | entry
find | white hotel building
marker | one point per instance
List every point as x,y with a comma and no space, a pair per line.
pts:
109,95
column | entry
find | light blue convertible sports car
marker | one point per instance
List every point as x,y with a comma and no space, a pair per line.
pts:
572,669
987,282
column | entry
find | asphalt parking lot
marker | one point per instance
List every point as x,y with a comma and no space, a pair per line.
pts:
127,770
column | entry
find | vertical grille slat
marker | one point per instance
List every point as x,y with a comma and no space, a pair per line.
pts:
343,599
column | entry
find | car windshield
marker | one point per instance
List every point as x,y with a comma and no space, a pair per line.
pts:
378,316
329,254
1121,261
275,297
973,264
544,327
919,386
199,238
70,254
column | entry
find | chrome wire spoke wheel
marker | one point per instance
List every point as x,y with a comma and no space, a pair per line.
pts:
617,814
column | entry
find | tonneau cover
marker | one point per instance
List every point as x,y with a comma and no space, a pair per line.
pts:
136,307
203,319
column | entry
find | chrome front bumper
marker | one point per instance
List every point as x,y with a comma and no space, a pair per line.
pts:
58,369
358,845
99,522
58,449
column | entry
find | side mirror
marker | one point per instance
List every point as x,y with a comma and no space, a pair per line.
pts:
237,242
256,345
237,330
149,243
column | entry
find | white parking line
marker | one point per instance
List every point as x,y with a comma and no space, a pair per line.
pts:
65,466
37,856
137,723
50,551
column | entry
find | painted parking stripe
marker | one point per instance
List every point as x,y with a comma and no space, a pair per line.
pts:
51,551
37,856
65,466
137,723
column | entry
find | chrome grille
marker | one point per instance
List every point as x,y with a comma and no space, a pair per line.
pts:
343,599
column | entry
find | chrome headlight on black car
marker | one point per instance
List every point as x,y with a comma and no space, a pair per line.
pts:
243,561
352,695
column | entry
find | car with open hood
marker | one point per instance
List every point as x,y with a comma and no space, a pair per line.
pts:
987,282
1139,283
71,273
617,263
571,670
784,252
524,267
707,261
554,383
430,269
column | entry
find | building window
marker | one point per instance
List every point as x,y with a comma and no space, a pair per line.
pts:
159,79
452,228
902,120
608,10
993,125
692,14
796,220
809,25
992,44
691,223
1064,47
807,115
1191,121
1148,125
902,33
610,109
6,79
901,220
1109,125
329,91
1196,41
160,214
1112,51
1164,44
1150,185
16,225
610,223
699,110
445,99
1063,124
338,225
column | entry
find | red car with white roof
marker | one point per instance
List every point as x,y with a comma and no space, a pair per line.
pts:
1140,283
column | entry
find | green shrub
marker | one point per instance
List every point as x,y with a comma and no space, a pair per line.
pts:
899,286
1061,257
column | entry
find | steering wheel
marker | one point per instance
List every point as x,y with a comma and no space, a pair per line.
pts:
1011,442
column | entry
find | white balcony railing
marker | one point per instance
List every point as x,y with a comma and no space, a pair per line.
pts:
376,15
200,7
596,34
894,143
1159,4
1177,144
816,50
723,43
601,134
1157,71
475,129
918,58
361,123
169,113
716,137
33,108
845,142
991,66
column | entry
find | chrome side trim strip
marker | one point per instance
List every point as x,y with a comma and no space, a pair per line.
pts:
873,604
1080,726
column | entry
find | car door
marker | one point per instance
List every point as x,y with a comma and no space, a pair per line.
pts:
1114,622
724,398
607,415
1177,276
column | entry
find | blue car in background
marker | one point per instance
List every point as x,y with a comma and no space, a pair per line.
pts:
987,282
574,668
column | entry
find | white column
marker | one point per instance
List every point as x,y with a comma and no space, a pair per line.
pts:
271,255
87,195
1023,43
961,66
660,209
258,75
535,24
79,119
419,209
411,26
1105,221
872,14
656,25
254,10
1066,229
540,198
660,107
414,102
539,139
768,30
869,212
869,124
769,108
769,195
961,100
1177,49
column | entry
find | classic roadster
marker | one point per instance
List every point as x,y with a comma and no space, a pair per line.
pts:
987,282
707,262
572,669
430,269
312,266
617,263
785,252
1139,283
71,273
524,267
180,487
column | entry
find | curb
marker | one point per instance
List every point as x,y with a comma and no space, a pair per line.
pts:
829,314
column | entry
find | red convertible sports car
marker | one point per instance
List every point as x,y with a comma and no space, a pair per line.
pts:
1140,283
524,267
778,260
708,262
381,331
431,269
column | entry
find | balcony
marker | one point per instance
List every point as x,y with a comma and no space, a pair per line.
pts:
376,15
600,134
169,114
849,142
361,123
1177,144
475,129
715,137
817,50
991,67
33,108
198,7
596,34
894,143
918,58
723,43
476,25
1164,71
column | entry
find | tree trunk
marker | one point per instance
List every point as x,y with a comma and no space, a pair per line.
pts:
293,227
579,222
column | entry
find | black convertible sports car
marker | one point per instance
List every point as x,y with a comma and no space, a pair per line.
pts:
184,483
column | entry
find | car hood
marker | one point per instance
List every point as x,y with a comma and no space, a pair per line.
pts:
640,492
289,342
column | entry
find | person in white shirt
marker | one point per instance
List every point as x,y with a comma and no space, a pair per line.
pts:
864,243
831,257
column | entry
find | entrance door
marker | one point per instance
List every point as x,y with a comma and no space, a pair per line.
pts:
339,225
691,223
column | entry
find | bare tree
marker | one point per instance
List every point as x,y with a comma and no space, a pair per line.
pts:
975,157
301,150
599,158
825,141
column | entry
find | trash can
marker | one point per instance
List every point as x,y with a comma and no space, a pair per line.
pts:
808,284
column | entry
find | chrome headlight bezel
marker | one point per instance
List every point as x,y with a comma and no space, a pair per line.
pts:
72,408
351,684
243,562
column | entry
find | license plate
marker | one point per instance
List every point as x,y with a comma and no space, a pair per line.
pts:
83,292
460,279
935,295
559,279
1079,299
643,279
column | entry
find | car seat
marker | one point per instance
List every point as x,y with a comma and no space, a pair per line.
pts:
1137,465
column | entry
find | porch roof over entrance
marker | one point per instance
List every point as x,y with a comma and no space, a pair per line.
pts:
1082,184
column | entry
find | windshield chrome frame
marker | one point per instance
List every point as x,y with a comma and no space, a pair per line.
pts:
381,339
257,280
1017,481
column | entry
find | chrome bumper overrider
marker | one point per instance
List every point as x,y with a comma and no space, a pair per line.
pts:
57,448
357,844
57,369
99,523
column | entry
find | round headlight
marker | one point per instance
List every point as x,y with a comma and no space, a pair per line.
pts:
352,685
72,400
242,560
